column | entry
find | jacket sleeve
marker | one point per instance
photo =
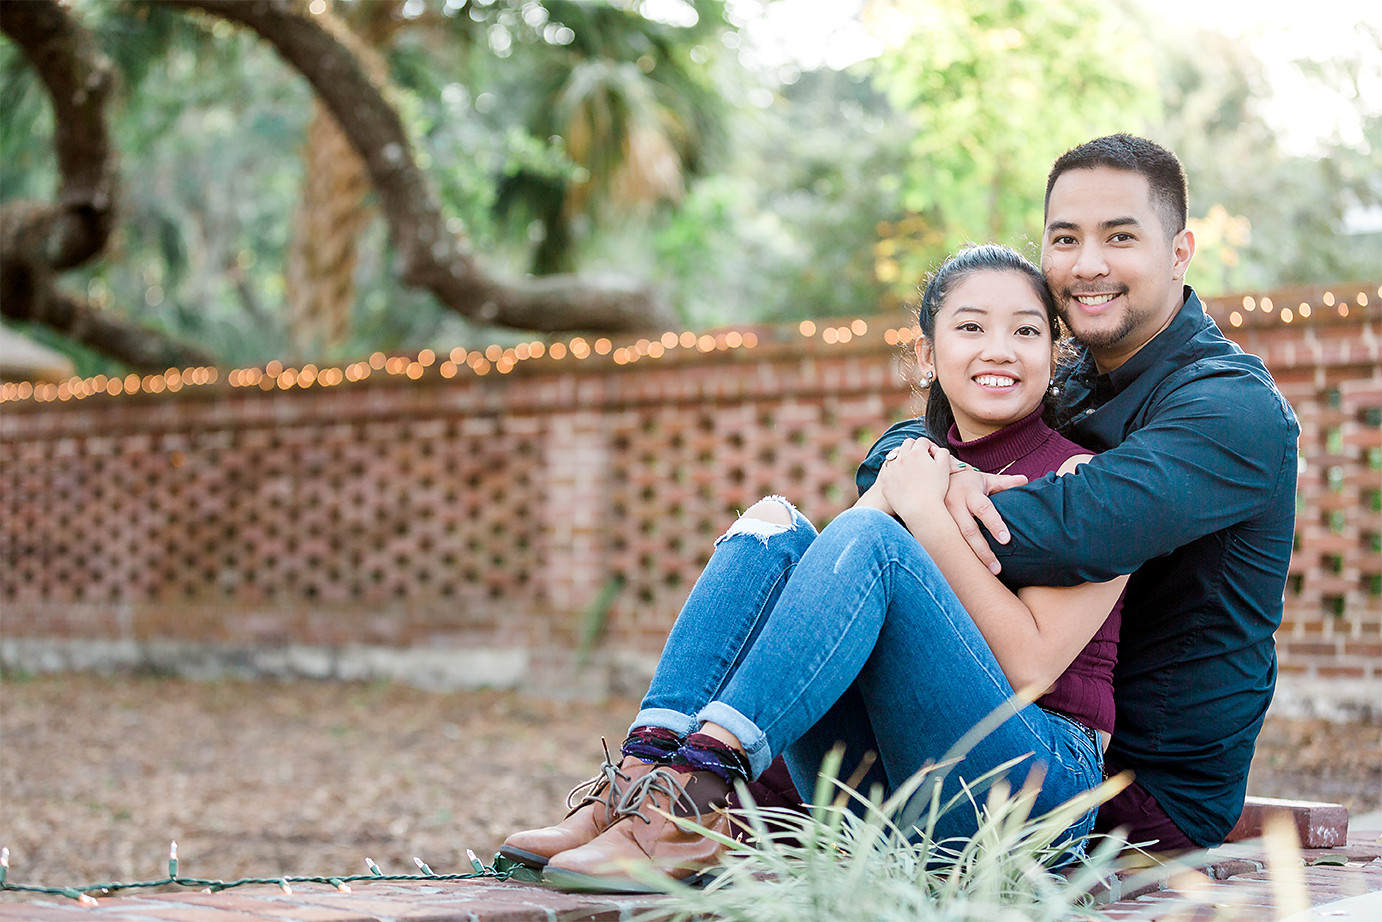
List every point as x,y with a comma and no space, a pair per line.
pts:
894,436
1213,452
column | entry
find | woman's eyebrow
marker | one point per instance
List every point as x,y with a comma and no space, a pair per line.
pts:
975,309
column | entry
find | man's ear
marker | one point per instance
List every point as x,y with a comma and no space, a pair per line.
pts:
1182,250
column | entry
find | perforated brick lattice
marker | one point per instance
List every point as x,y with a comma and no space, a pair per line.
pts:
1334,619
492,511
681,477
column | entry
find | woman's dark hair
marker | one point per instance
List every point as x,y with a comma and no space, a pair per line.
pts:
987,257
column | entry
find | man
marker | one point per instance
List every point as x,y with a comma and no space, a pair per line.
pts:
1193,492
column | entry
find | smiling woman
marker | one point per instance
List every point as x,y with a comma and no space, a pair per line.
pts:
993,349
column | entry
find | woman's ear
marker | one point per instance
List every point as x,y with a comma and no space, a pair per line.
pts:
925,363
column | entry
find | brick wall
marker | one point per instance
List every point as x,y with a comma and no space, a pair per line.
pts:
547,503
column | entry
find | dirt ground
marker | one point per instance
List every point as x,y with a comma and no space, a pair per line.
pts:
98,774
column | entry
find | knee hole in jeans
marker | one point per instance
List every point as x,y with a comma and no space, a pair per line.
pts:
771,509
770,516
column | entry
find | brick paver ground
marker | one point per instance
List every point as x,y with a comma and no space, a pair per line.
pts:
1233,883
1229,884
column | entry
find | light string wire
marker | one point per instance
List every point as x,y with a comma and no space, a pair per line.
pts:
341,882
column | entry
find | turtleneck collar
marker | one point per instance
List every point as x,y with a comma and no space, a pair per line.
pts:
1000,450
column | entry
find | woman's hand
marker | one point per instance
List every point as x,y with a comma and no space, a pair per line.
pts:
914,479
873,499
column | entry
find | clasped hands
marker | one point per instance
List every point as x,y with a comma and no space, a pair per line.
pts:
919,478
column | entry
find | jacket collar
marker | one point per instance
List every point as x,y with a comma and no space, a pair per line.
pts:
1180,331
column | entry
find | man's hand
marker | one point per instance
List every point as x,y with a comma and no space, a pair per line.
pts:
967,501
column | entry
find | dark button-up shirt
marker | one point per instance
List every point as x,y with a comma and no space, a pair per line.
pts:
1193,493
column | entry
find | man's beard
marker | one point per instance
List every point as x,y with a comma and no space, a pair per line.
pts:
1101,338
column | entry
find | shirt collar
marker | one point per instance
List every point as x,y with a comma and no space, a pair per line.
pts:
1178,332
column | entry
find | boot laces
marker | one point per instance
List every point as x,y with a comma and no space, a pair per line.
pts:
658,781
602,788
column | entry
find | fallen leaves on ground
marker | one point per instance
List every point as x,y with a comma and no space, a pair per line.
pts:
262,779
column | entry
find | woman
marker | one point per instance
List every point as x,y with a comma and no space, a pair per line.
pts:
883,632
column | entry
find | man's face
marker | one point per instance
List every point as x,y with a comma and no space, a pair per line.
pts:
1114,270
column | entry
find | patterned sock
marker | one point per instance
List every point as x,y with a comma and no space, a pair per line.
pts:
705,753
651,744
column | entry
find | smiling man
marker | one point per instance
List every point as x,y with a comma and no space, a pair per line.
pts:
1193,492
1115,257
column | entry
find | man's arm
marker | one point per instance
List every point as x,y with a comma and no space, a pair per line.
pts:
1212,454
1034,633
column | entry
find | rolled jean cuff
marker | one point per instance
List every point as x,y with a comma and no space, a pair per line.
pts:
680,724
746,731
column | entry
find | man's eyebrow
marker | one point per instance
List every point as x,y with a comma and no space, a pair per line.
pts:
1126,221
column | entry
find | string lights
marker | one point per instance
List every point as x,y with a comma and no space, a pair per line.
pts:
1330,303
480,362
504,359
84,894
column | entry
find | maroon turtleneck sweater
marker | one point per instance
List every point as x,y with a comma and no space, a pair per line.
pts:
1032,448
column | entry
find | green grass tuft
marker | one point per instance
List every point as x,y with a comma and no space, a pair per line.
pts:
864,858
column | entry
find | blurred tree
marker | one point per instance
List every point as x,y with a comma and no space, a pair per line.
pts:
39,240
429,252
548,134
637,111
1264,216
627,107
788,229
996,90
331,211
430,255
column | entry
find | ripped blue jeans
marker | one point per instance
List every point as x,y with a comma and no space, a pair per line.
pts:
795,641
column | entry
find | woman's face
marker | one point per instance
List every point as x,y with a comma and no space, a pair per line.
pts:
992,351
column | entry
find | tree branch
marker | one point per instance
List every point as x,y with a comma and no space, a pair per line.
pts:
324,52
139,347
38,240
78,80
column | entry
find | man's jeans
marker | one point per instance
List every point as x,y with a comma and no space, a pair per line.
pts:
795,641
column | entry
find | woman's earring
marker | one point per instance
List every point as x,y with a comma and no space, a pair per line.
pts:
1052,388
926,380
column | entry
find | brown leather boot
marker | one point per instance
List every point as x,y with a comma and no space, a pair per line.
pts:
642,836
586,820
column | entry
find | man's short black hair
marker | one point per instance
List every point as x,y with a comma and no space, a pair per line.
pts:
1163,170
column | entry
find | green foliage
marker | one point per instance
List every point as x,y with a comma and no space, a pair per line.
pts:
787,231
1263,216
27,168
860,858
635,108
209,122
996,90
587,135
